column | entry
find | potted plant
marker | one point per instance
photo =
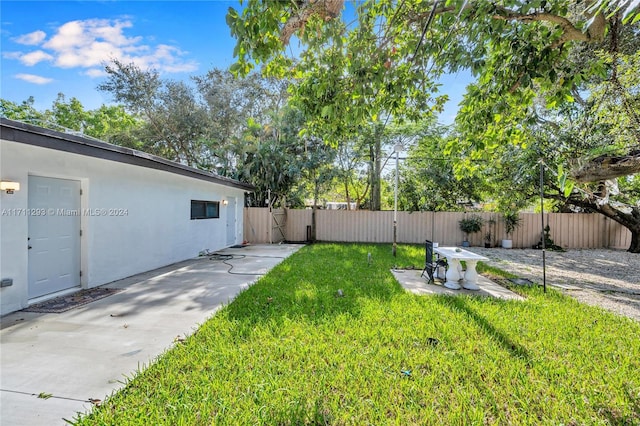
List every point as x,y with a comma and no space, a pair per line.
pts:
511,222
470,225
487,240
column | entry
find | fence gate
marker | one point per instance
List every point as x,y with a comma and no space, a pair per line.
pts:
278,223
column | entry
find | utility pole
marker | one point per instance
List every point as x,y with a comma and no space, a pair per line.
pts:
397,148
544,264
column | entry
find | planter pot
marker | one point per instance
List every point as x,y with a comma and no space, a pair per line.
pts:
465,244
507,244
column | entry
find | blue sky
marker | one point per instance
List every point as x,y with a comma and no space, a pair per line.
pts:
50,47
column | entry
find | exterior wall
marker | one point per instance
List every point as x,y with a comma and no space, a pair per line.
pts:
568,230
151,226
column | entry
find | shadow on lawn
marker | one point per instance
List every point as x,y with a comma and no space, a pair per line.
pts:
616,417
460,303
319,283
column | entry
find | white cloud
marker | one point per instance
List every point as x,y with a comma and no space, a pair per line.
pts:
163,58
91,43
12,55
35,79
31,39
95,72
32,58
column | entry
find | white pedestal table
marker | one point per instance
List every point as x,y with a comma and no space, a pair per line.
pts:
454,255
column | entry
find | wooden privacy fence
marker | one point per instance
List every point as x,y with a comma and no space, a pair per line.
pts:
568,230
265,225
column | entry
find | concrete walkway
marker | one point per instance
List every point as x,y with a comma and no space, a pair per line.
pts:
85,354
412,281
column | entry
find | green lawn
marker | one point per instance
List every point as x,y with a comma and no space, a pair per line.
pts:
289,350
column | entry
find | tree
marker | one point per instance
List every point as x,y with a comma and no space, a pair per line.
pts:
68,114
594,139
607,173
512,179
427,178
21,112
318,169
111,123
353,183
107,123
348,75
346,80
230,103
278,162
175,123
205,125
615,110
561,138
517,50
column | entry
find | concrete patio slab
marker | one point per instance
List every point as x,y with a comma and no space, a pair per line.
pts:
412,281
53,365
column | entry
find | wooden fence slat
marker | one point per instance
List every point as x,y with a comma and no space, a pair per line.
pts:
568,230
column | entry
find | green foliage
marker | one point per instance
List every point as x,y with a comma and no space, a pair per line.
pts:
107,123
613,112
346,77
21,112
627,8
427,178
471,224
292,349
69,114
518,130
175,125
235,106
549,244
511,221
384,64
240,128
352,180
386,61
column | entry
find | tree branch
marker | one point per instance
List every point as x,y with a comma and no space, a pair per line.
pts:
595,31
325,9
607,167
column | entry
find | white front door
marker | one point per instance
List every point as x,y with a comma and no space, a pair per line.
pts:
231,221
54,235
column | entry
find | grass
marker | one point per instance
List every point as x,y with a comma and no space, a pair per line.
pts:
290,350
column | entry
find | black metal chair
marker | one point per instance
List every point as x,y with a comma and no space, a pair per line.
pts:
430,264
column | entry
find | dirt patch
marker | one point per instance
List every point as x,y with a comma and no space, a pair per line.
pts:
606,278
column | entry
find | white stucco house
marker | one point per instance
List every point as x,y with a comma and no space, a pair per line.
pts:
78,213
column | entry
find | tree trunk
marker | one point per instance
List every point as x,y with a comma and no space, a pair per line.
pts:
375,170
347,195
316,191
313,224
635,242
630,220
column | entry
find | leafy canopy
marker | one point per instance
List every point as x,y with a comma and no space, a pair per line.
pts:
385,61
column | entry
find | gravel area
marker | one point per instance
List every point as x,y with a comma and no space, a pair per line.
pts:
606,278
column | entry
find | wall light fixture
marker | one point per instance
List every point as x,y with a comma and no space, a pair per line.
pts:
9,187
